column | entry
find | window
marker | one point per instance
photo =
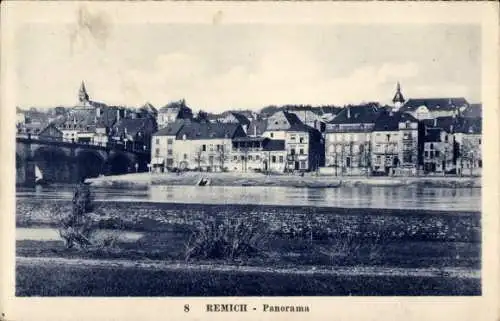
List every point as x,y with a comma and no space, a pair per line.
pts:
348,162
242,157
388,137
426,154
292,137
235,158
211,147
211,159
169,152
431,154
281,159
303,165
249,157
272,135
185,156
273,159
217,147
157,141
301,139
479,144
292,151
446,138
432,146
436,153
157,152
301,152
170,141
257,157
204,148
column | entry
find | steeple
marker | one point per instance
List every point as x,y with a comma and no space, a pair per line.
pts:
398,99
82,93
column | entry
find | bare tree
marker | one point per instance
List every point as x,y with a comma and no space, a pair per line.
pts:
199,157
222,156
468,153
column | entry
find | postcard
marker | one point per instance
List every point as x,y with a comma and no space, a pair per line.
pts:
260,160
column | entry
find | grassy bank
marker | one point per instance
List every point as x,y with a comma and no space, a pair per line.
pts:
290,237
142,180
290,221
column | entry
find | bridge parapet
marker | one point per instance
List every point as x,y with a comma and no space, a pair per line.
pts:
132,147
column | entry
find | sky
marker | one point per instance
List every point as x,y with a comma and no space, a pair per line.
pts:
245,66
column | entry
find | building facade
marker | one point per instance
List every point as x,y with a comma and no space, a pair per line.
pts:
348,140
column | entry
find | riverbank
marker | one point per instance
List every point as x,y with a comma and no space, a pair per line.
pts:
320,250
143,180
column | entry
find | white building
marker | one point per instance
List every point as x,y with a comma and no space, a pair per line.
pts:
194,145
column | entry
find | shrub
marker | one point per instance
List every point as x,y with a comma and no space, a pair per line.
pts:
228,238
76,227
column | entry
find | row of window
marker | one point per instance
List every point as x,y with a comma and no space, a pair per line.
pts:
301,139
432,154
293,151
274,158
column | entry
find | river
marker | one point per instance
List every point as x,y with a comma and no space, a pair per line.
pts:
428,198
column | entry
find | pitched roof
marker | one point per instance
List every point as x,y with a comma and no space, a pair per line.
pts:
171,129
433,135
359,114
473,111
470,126
274,145
242,119
130,126
292,118
434,103
97,104
257,127
192,130
389,121
149,108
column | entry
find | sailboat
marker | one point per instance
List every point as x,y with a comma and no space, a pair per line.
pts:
39,180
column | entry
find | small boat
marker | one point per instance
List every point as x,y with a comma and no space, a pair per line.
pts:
39,180
203,182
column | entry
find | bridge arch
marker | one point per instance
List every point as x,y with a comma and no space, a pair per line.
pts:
120,163
90,162
54,164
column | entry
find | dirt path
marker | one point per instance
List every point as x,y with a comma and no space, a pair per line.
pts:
334,270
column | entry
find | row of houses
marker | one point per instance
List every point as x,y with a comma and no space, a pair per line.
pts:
287,144
434,135
91,122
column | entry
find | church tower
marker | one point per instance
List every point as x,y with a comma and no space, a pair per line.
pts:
83,97
398,99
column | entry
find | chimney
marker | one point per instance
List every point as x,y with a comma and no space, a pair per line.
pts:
255,130
117,115
348,112
435,122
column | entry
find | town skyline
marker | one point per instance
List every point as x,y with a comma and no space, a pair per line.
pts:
222,68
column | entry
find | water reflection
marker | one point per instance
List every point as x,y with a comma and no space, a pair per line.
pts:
358,197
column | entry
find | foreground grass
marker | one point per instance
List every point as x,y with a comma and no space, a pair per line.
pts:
60,280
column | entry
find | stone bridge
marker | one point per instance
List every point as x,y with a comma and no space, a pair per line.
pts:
69,162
